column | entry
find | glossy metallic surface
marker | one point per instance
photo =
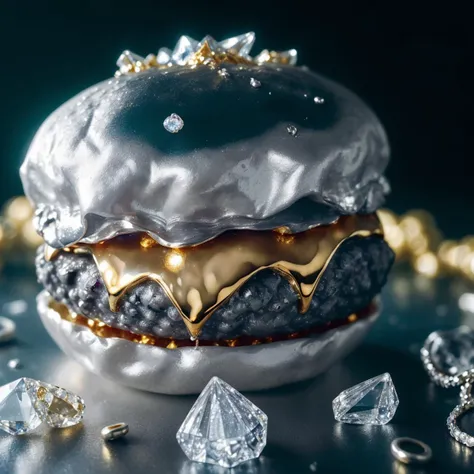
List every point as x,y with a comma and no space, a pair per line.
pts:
188,369
408,457
116,431
302,430
104,165
199,280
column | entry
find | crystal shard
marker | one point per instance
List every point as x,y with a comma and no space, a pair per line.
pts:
223,427
241,44
373,402
184,48
57,406
17,411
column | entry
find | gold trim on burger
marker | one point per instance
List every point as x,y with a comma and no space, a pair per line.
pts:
200,279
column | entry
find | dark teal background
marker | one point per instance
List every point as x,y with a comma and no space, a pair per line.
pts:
408,61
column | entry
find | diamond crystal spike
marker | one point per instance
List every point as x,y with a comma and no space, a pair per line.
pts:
17,411
164,56
223,427
373,402
211,42
184,48
241,44
56,406
289,57
128,60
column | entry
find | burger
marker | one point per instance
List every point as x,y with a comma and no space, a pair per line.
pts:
206,212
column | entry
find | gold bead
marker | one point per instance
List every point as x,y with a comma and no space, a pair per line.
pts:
427,264
18,210
29,235
392,232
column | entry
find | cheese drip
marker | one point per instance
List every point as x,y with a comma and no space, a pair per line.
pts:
199,279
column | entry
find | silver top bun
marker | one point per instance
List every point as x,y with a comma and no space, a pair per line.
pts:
262,146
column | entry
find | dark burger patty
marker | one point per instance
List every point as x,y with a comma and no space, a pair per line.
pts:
264,306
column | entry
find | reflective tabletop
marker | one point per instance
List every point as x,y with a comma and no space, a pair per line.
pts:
302,434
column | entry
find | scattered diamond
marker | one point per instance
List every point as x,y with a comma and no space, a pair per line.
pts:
111,432
173,124
466,302
55,405
318,100
452,352
223,72
17,412
15,307
183,50
313,466
240,45
223,427
373,402
255,83
14,364
7,329
292,130
164,56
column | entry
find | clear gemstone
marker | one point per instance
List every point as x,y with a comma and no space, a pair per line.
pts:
292,130
127,60
319,100
173,124
223,72
255,82
241,44
373,402
184,48
7,329
452,352
289,57
57,406
17,411
164,56
212,43
223,427
14,364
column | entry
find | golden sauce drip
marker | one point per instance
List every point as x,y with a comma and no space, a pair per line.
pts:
199,279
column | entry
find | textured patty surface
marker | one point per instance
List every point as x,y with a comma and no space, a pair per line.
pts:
264,306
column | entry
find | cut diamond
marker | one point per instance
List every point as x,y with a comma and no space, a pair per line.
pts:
452,352
173,124
241,44
373,402
223,427
17,411
184,48
56,406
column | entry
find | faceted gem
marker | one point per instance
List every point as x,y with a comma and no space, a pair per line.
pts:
173,124
452,352
184,48
212,43
57,406
17,411
164,56
240,45
318,100
292,130
127,61
373,402
223,427
255,83
288,57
